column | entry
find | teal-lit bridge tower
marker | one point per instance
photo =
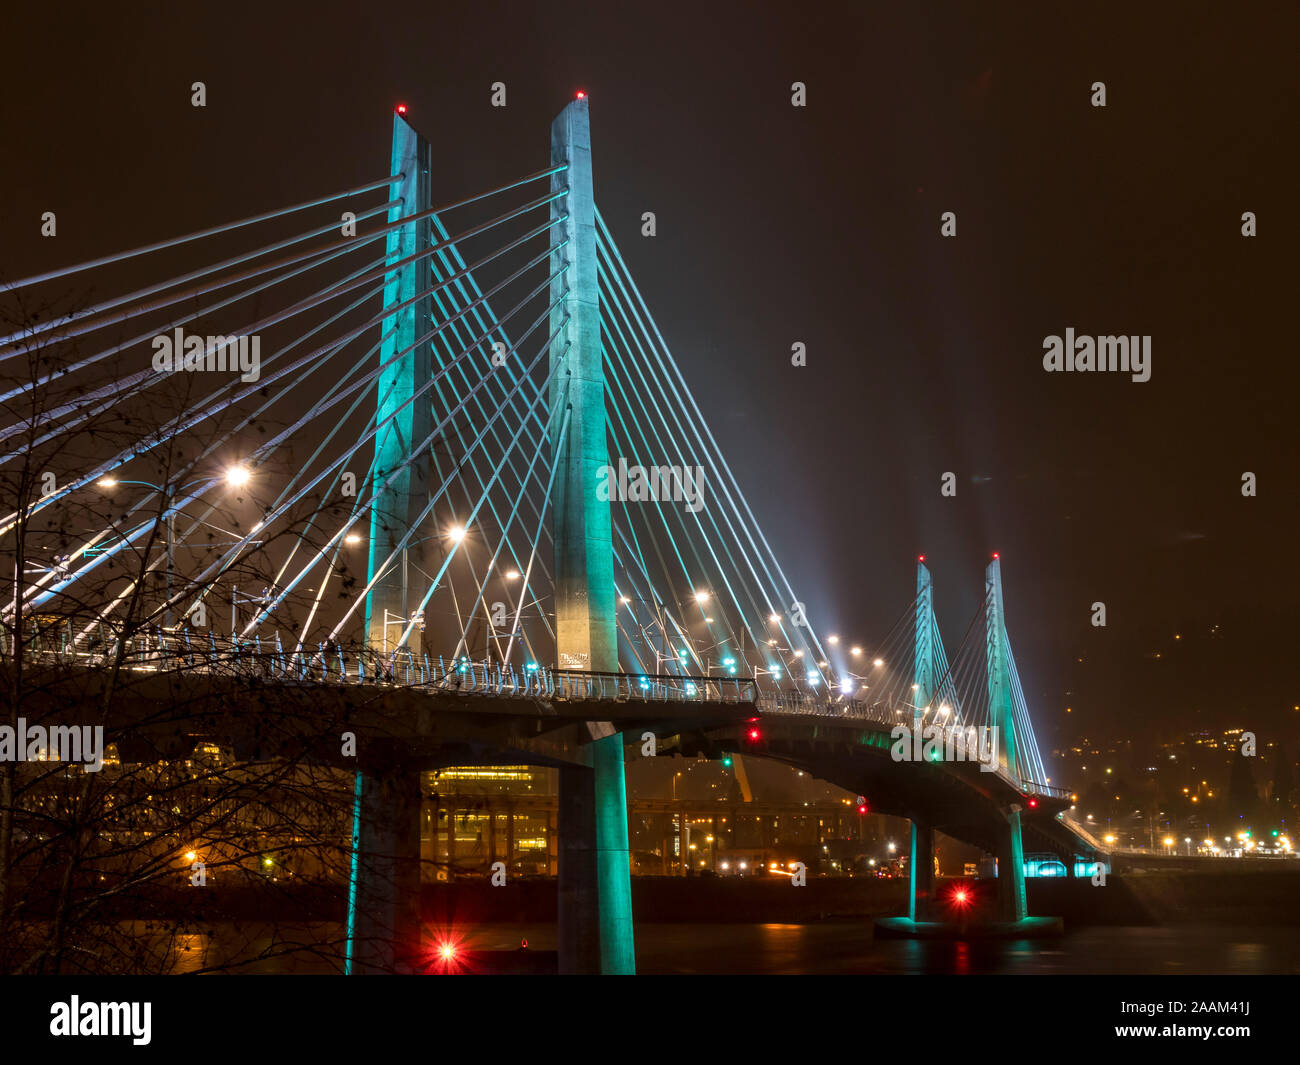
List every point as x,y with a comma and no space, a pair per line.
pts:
920,862
401,480
1011,857
1008,789
585,631
595,897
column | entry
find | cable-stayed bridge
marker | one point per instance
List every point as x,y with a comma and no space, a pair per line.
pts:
439,465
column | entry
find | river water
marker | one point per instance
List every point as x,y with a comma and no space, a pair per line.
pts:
829,948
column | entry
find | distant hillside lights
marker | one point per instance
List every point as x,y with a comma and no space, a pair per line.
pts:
219,354
1108,353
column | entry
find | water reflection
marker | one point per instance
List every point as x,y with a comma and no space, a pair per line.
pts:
838,947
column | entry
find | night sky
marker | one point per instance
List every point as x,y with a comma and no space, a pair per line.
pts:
821,225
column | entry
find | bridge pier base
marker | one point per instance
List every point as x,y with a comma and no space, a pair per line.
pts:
595,887
578,892
613,864
1012,905
384,905
921,872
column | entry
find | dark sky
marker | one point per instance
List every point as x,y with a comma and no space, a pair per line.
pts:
821,225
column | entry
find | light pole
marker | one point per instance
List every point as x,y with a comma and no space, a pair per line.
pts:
660,608
238,476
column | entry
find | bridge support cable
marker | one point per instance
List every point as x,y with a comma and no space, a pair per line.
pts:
698,425
663,612
1035,771
418,448
541,448
443,423
245,540
84,408
525,584
765,597
470,519
692,575
620,349
245,257
189,421
100,310
196,461
620,366
199,234
761,603
266,449
380,272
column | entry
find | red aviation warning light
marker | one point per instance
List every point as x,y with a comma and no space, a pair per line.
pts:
401,109
920,558
581,95
995,554
1032,804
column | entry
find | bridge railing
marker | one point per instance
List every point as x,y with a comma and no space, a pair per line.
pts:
342,664
632,687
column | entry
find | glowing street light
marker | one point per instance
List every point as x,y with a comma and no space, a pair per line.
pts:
513,575
832,640
352,538
878,662
238,476
856,651
456,534
701,597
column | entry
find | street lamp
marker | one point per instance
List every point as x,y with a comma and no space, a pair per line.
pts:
236,475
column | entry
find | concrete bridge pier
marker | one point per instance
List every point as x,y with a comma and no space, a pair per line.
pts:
384,892
578,899
595,897
1012,905
921,872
